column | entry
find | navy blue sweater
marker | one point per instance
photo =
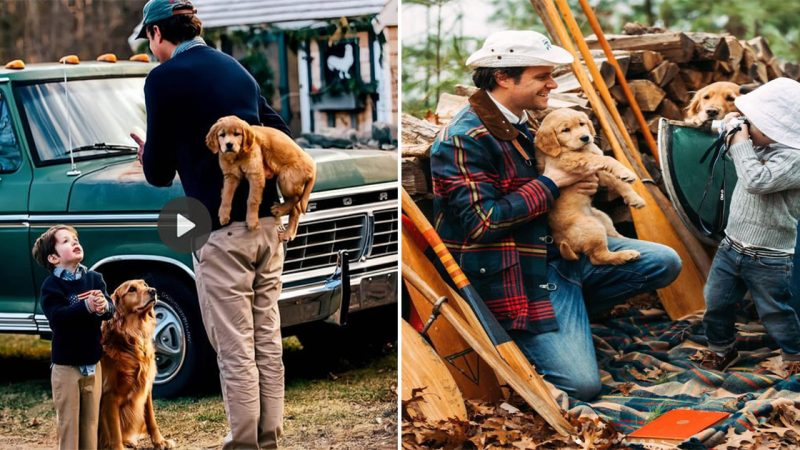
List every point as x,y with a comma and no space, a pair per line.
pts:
76,330
184,97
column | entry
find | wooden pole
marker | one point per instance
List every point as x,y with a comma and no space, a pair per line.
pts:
599,82
696,251
637,112
685,295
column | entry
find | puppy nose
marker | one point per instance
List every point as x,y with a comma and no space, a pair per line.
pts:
712,112
151,291
586,138
229,145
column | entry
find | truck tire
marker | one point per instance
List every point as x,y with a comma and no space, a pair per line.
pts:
183,353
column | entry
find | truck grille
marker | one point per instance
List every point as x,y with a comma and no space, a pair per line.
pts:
318,243
384,240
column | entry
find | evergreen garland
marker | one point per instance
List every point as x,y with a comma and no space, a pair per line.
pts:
255,38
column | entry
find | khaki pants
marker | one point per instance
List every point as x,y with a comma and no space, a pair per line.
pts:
77,401
238,283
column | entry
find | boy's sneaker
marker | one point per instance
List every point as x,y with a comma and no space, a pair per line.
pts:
712,361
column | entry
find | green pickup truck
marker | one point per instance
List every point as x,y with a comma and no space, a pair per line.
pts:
66,157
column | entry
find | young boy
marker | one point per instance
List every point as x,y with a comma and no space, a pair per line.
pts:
75,302
756,253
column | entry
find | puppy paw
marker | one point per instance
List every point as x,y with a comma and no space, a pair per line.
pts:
602,257
224,216
627,176
593,168
634,201
164,444
626,256
276,210
252,224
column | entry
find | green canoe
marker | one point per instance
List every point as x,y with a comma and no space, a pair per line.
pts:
695,191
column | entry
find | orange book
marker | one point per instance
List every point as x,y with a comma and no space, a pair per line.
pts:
674,427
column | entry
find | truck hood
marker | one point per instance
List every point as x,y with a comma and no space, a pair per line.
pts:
121,186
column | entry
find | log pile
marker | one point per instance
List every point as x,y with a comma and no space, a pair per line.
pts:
663,69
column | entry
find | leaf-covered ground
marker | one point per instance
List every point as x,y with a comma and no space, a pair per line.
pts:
648,365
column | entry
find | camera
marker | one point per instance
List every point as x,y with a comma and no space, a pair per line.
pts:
718,126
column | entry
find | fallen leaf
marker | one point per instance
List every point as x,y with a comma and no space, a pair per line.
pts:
509,408
625,388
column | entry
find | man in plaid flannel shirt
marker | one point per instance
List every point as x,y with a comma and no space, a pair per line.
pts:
490,207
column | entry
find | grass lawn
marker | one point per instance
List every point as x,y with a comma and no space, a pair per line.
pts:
344,401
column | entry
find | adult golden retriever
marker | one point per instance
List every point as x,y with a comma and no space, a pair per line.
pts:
712,102
129,369
566,139
257,153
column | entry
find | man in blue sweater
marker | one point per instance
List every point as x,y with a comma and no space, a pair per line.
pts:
237,270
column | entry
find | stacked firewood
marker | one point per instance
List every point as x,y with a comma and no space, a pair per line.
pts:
663,69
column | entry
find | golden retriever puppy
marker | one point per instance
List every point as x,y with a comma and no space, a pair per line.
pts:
566,139
296,172
279,156
712,102
239,157
129,369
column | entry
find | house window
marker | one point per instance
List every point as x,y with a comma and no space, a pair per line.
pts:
342,87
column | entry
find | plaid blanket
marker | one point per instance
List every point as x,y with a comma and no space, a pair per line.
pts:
647,369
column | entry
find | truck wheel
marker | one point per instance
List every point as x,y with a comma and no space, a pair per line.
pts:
182,349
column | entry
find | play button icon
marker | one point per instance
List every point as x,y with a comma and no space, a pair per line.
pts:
184,224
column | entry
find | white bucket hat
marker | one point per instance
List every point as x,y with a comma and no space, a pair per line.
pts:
513,48
774,108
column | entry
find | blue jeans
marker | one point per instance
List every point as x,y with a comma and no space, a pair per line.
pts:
769,281
796,275
566,357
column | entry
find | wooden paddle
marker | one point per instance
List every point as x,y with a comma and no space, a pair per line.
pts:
484,348
423,369
685,295
483,322
474,377
693,247
621,81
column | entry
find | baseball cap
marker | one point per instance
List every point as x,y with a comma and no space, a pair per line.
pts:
518,48
157,10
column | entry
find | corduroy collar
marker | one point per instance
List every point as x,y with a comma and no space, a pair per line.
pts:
491,116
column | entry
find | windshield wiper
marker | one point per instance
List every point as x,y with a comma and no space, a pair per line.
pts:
115,148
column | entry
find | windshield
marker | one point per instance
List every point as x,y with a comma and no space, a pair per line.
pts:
84,113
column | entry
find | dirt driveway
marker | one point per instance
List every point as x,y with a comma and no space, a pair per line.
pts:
339,395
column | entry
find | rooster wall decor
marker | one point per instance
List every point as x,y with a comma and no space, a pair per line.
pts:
342,64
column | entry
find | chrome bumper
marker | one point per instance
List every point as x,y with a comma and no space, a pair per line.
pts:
329,300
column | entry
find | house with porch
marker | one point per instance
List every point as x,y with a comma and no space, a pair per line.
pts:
321,64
